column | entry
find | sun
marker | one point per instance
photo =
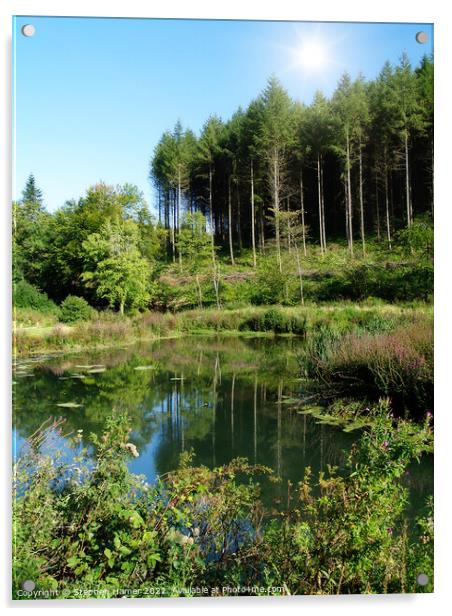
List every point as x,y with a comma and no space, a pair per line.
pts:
312,55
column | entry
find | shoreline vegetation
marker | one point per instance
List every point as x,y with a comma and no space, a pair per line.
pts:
207,528
108,329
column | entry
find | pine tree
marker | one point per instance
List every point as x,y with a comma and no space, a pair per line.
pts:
276,137
409,119
31,193
317,132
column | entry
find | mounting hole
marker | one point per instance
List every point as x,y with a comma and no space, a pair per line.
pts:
422,579
422,37
28,30
28,586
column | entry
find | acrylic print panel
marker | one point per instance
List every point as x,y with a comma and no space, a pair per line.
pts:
222,308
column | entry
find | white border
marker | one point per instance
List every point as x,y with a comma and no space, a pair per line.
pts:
431,11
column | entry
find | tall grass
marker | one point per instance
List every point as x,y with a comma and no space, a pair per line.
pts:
323,321
398,363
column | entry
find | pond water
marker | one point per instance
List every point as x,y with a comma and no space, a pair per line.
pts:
223,397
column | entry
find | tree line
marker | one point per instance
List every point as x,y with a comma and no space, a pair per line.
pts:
359,162
277,176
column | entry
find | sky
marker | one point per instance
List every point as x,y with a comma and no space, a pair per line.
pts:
92,96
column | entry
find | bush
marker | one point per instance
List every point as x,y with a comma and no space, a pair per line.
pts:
75,309
398,363
25,295
277,321
395,283
270,285
418,238
90,524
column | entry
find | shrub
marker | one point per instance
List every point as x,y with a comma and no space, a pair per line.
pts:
271,286
397,363
418,238
350,536
163,535
25,295
90,524
75,309
277,321
395,283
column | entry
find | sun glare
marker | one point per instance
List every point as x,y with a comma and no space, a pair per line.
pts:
312,55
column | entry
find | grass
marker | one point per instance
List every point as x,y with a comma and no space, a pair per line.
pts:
108,329
397,362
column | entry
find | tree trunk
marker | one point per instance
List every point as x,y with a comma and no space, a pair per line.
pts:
303,227
409,210
239,217
216,282
347,228
211,212
388,222
276,207
261,229
198,286
121,307
300,274
231,249
320,204
179,199
173,224
377,208
253,221
361,199
323,204
349,190
288,227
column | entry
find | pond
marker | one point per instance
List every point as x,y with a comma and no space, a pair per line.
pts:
223,397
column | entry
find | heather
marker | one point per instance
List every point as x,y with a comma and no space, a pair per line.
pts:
398,363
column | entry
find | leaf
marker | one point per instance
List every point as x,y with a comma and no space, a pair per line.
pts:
153,558
73,561
69,405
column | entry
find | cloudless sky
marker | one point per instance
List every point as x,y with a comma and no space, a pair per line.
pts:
93,96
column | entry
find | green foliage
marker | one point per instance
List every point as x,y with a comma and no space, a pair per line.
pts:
417,240
115,268
100,526
397,363
271,286
358,282
25,295
91,524
274,320
351,537
193,242
75,309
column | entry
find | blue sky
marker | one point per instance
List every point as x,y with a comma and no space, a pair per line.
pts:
93,96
